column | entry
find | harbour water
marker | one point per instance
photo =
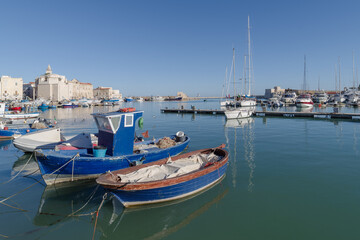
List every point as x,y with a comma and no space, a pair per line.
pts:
287,179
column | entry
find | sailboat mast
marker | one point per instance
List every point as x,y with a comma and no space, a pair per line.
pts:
249,52
336,83
304,87
245,74
353,70
339,77
234,71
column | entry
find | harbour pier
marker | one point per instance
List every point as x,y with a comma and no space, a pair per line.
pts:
324,115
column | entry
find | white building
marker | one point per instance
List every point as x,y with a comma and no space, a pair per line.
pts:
106,93
11,88
56,87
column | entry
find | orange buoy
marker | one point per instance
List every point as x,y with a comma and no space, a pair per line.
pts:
127,109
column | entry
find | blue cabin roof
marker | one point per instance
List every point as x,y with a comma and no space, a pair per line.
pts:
117,131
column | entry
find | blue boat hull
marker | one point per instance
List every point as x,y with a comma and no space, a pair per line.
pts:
170,193
63,165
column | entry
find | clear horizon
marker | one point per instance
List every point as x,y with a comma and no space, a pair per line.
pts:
148,48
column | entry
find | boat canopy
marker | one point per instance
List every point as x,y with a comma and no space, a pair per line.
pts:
117,131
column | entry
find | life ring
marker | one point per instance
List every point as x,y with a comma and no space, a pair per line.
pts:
127,109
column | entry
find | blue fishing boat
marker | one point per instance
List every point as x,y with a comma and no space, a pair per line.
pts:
167,179
43,106
116,137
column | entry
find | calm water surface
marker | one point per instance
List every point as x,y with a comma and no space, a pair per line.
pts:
287,179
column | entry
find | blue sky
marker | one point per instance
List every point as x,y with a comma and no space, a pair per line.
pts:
160,47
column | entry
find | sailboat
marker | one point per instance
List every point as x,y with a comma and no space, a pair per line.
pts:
304,100
248,100
246,105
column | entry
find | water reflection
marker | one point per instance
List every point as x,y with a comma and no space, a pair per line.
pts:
310,109
61,202
155,222
244,126
26,164
4,144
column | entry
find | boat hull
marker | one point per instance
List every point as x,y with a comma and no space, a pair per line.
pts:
63,166
247,103
171,193
169,189
238,113
10,116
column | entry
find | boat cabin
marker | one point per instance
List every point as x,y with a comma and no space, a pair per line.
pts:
117,131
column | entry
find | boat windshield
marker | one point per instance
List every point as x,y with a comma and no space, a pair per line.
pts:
108,124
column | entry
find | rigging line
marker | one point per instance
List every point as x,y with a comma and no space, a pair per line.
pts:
19,171
23,210
5,199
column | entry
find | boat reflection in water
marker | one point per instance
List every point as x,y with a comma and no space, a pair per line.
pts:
156,221
78,203
246,144
4,144
62,202
310,109
26,164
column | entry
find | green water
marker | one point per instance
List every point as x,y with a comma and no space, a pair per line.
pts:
287,179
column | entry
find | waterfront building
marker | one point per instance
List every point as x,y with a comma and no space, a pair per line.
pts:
80,90
106,93
56,87
11,88
274,91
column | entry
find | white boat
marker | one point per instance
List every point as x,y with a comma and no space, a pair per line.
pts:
236,113
304,101
247,102
320,97
47,137
289,98
53,139
8,115
157,99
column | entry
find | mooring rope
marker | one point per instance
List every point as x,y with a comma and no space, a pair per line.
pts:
19,171
97,214
5,199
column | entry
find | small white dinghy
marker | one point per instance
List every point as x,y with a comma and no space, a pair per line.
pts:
47,137
53,139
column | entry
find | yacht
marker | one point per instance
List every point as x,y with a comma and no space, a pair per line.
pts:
289,98
320,97
304,101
